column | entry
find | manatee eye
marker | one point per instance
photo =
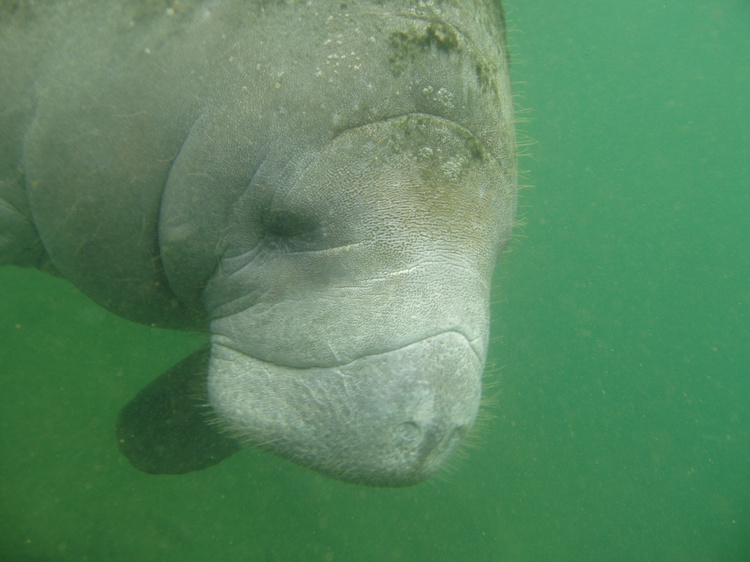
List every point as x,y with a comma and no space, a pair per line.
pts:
285,225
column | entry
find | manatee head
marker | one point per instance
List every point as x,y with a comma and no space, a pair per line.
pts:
350,307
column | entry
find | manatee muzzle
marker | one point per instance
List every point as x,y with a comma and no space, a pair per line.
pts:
390,419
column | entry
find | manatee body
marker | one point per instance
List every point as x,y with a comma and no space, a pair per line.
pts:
323,186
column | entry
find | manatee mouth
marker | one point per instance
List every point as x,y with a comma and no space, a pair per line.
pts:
382,420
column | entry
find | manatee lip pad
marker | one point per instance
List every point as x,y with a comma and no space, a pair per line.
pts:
386,420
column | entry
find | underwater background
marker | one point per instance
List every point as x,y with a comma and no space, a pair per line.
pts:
618,419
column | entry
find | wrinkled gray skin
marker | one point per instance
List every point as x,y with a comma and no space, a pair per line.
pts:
325,186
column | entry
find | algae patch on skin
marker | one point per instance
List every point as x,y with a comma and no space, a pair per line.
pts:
407,45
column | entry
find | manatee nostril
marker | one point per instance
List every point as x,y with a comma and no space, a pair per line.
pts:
456,436
410,436
407,435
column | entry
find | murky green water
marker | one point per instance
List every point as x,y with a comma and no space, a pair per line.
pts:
620,368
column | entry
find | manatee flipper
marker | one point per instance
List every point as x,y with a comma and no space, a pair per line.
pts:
166,428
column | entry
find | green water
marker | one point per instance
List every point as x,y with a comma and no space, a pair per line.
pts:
620,364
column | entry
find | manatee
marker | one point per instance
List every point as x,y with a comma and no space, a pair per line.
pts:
322,186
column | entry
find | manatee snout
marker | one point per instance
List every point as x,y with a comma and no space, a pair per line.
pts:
389,419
